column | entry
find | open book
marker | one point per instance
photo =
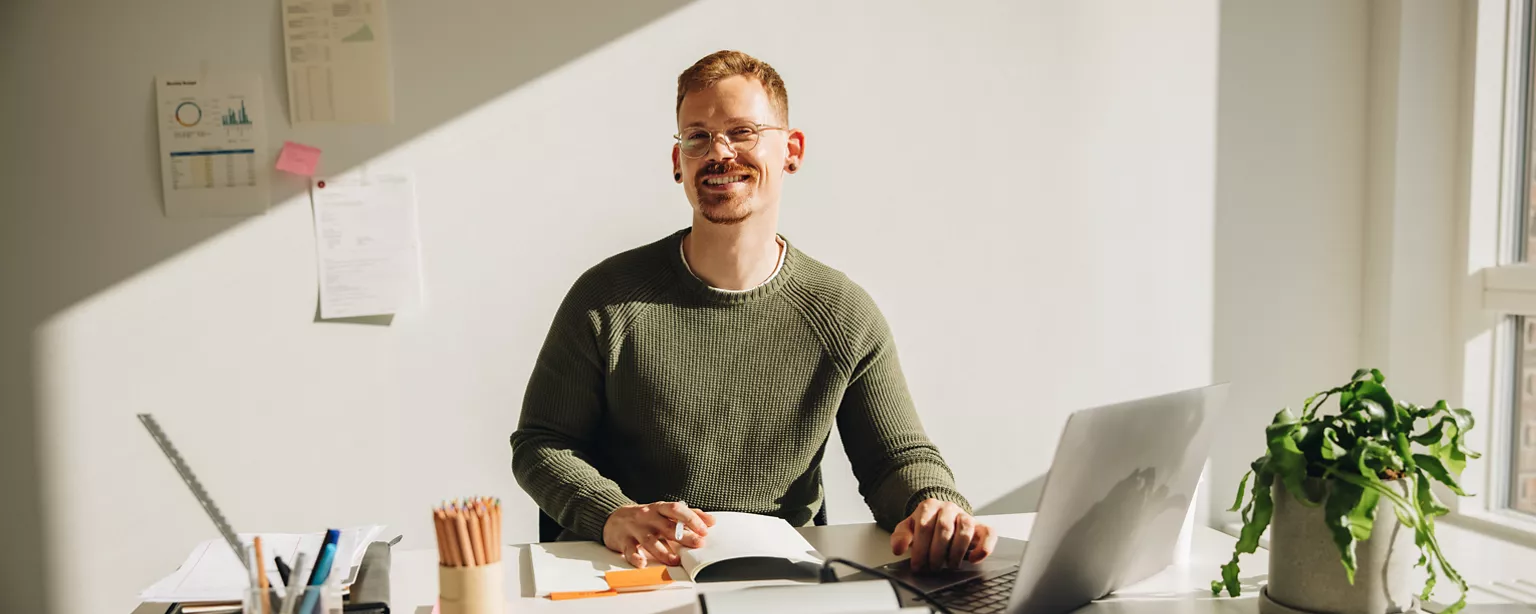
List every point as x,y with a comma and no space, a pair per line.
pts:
739,547
751,547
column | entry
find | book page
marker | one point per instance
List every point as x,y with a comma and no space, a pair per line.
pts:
737,535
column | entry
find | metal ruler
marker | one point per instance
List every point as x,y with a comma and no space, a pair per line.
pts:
196,487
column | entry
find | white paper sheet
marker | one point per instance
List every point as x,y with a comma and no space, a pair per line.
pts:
212,573
338,61
213,149
367,245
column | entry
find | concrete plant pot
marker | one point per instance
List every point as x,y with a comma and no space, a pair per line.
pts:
1305,574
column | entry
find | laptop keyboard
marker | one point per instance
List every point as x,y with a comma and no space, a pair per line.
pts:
979,596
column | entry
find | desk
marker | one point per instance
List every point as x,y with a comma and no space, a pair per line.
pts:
1184,587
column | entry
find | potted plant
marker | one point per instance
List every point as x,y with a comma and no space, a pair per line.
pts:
1348,502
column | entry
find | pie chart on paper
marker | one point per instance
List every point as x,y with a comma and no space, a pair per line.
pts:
188,114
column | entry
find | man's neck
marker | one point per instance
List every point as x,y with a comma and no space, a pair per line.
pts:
734,257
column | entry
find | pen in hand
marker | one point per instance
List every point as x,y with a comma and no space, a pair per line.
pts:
677,533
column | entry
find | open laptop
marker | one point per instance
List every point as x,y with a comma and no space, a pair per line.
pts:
1115,498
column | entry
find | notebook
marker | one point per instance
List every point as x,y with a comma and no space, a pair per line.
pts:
739,547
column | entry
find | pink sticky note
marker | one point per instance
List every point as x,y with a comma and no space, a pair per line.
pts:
298,159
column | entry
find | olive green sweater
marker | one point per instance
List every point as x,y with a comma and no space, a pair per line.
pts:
654,386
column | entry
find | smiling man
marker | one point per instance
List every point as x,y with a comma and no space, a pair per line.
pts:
710,366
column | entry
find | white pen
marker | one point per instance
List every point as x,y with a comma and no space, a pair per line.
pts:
296,584
677,533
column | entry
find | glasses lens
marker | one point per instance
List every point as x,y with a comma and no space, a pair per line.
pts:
743,137
694,143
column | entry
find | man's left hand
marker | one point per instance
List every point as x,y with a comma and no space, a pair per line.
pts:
940,535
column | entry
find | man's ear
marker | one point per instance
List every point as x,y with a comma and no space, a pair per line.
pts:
796,157
677,166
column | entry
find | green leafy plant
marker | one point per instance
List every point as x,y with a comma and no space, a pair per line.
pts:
1357,455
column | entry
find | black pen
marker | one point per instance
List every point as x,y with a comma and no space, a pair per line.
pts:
282,569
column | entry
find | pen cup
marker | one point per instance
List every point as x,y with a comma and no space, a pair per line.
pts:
323,599
470,590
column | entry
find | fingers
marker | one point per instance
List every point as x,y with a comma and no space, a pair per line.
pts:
922,534
943,534
680,512
657,550
709,519
635,555
689,540
982,544
901,537
965,530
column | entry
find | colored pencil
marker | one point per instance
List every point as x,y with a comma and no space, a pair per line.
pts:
261,579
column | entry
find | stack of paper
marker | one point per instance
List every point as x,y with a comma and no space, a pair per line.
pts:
213,573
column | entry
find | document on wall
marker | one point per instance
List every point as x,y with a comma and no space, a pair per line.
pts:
213,149
367,244
338,61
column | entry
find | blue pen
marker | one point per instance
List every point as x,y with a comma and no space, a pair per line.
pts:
322,571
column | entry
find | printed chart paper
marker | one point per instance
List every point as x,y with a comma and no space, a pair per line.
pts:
213,152
367,244
338,61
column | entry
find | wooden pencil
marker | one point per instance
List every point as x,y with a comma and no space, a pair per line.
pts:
442,546
496,526
451,537
475,543
261,579
492,549
466,550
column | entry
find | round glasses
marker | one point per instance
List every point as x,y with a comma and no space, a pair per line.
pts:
696,142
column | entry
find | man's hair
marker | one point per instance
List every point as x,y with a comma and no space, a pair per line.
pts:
720,65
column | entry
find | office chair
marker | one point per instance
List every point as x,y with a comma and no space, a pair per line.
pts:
549,530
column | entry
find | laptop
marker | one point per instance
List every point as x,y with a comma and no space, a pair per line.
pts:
1115,498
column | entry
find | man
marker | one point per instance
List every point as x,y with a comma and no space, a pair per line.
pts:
710,366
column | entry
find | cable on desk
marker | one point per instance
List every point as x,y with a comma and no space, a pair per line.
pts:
830,575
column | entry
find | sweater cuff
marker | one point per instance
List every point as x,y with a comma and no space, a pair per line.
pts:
937,492
593,511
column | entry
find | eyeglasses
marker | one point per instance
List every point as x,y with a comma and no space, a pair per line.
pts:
695,142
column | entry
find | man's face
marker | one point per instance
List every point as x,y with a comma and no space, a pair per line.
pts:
726,184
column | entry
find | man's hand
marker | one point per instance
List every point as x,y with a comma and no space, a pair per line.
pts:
941,535
644,533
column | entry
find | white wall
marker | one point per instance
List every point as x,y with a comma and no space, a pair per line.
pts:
1290,206
1025,188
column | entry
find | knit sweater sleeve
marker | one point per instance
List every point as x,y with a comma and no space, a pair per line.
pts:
897,466
561,411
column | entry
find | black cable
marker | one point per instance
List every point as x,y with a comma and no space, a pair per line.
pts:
828,575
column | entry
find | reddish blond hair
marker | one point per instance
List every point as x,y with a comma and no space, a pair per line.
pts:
717,66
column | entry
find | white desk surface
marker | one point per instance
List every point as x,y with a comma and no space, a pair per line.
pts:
1500,573
1184,587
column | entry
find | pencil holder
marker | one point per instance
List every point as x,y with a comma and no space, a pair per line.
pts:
322,599
470,590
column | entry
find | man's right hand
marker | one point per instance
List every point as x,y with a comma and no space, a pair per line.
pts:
643,533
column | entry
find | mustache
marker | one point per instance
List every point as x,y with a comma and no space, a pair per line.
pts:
721,168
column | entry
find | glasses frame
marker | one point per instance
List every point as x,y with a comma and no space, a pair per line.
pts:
714,136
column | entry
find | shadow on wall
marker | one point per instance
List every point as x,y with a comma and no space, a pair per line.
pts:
78,238
1021,500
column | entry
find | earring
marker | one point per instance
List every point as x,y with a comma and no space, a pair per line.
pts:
792,168
677,176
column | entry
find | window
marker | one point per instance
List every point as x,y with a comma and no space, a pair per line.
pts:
1508,480
1522,458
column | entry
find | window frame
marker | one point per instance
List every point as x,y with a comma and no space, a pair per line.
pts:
1500,285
